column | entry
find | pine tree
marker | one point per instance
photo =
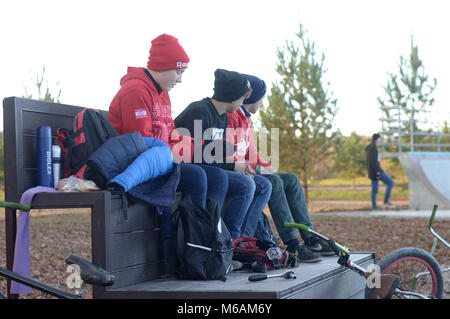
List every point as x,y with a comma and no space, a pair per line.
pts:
301,107
43,93
410,89
350,156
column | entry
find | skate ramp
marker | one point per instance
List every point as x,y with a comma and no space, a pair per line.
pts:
429,179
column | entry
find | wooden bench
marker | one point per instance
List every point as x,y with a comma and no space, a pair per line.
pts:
131,249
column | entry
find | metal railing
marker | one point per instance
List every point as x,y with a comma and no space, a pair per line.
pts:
412,130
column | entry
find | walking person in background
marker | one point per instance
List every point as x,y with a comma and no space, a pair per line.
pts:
376,173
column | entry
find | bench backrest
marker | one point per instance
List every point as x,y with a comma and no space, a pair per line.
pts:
21,118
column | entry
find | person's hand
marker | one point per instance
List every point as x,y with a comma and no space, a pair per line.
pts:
240,167
250,171
244,168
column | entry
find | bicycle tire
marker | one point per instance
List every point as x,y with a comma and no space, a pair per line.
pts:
417,254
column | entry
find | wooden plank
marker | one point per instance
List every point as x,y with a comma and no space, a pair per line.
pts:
336,284
140,217
136,274
136,248
33,119
309,277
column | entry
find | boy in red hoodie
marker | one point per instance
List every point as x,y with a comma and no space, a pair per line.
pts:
143,104
287,201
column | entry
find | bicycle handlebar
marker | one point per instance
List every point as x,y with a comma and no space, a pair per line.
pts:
295,225
23,207
433,215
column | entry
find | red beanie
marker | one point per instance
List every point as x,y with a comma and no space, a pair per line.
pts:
167,54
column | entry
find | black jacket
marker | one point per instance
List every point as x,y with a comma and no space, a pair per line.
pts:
372,162
214,125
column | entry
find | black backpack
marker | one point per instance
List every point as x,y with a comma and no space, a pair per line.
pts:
90,131
203,243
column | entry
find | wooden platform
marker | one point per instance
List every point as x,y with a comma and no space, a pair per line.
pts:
325,279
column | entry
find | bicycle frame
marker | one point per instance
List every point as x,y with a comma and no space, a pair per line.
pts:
37,285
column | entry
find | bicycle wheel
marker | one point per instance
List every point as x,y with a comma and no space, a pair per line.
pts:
418,270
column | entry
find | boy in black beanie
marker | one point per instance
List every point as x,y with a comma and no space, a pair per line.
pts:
206,120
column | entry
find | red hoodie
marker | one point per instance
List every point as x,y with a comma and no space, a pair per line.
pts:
138,106
244,143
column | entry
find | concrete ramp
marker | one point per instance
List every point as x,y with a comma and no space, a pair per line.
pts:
429,179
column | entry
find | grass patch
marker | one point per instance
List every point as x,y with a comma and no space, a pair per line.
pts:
360,181
340,194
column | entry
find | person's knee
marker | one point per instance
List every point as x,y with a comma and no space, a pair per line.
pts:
291,180
220,178
244,184
275,181
195,174
250,184
266,186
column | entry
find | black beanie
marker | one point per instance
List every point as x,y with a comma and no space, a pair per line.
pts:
229,85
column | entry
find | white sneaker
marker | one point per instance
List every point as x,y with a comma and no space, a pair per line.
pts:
389,204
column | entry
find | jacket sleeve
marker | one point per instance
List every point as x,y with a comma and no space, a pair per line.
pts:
136,114
252,156
154,162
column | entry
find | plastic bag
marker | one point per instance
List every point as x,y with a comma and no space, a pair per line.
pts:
75,184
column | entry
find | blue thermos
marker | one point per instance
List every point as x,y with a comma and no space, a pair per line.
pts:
44,156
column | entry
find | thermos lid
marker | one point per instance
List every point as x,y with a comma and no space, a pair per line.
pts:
44,131
56,151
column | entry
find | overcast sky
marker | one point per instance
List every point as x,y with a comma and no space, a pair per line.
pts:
87,46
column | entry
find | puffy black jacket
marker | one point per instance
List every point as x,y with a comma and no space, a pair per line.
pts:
116,154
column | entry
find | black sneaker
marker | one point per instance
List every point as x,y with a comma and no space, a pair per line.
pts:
322,249
304,255
376,208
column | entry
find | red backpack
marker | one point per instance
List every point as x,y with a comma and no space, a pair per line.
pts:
250,249
90,131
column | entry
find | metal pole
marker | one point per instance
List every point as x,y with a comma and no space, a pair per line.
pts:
411,128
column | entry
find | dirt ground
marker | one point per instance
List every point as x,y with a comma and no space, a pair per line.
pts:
55,234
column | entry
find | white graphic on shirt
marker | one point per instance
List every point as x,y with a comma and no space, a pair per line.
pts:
216,133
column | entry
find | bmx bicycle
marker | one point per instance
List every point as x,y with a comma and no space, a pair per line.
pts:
405,273
421,276
89,273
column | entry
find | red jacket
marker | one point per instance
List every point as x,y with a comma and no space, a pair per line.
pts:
242,137
138,106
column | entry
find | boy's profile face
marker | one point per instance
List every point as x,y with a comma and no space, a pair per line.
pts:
168,79
254,107
235,105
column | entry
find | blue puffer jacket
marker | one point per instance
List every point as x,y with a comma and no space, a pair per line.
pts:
142,166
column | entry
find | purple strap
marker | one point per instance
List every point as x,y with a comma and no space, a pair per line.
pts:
22,248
